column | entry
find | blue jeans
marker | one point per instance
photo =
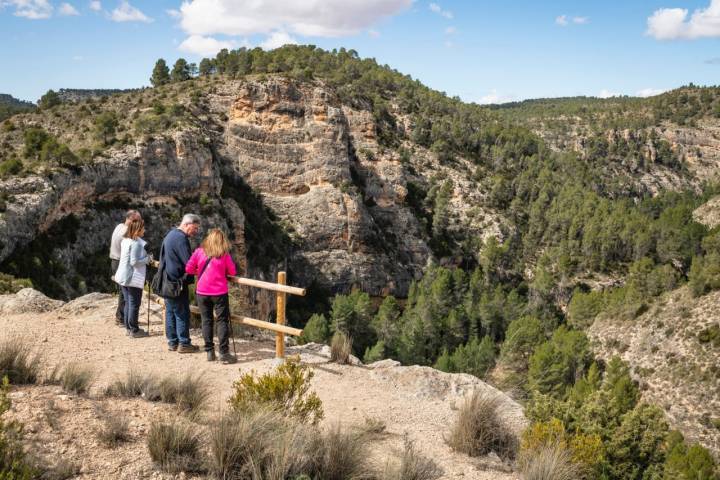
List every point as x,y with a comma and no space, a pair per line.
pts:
133,297
177,319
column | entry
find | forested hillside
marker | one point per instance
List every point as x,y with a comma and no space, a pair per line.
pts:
538,218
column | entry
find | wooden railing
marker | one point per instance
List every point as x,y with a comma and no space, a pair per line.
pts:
281,290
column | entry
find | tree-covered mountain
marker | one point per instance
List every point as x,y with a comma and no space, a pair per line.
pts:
490,238
10,105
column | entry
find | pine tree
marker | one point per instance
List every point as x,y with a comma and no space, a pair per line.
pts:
49,100
160,74
180,71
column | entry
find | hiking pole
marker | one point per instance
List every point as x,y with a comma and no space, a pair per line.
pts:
148,315
232,336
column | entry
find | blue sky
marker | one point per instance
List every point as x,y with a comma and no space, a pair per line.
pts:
482,51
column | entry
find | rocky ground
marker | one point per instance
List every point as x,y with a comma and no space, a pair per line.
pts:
414,402
675,365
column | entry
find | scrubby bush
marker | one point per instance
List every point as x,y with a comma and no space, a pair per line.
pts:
477,357
13,465
10,284
685,462
285,390
10,166
316,330
478,429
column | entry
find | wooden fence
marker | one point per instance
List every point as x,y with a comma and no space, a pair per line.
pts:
281,290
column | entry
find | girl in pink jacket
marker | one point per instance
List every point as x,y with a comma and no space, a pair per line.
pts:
211,262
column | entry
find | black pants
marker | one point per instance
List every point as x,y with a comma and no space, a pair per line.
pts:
120,311
220,306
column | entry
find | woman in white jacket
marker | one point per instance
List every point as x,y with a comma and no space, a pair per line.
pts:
131,275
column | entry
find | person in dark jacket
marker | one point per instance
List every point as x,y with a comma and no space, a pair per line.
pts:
176,253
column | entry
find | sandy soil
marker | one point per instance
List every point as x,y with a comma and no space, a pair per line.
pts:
417,402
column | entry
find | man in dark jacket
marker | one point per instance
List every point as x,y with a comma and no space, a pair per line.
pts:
176,253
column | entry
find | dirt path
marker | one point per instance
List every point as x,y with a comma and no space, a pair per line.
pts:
416,402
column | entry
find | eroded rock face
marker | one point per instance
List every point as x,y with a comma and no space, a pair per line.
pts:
61,225
296,145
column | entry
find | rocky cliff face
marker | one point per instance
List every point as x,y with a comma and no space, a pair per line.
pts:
315,165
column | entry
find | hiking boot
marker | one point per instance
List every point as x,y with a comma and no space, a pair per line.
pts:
188,349
140,333
227,358
211,355
172,348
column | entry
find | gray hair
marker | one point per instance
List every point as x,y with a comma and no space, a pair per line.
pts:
132,214
190,219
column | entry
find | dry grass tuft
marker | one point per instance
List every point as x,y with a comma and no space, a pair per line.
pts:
478,429
340,348
114,429
76,378
549,463
18,362
339,454
411,466
174,446
190,393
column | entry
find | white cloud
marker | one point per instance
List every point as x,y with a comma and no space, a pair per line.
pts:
205,46
277,40
449,44
30,9
650,92
713,61
494,97
450,31
67,9
173,13
437,9
78,58
605,93
673,23
329,18
373,33
127,13
564,20
95,6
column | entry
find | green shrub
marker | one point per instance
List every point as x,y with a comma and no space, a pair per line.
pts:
523,335
685,462
352,315
477,357
286,390
710,335
377,352
317,329
11,166
10,284
13,465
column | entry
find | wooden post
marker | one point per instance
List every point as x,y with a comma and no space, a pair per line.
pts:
280,308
